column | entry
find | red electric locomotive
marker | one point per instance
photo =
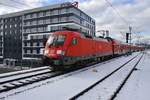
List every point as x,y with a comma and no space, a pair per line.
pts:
70,47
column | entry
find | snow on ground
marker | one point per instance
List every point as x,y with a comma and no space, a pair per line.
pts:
65,86
22,71
138,85
23,75
105,89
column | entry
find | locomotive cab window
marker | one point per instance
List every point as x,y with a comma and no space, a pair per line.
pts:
56,40
74,41
60,40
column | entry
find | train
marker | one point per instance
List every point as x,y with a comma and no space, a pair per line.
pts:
67,48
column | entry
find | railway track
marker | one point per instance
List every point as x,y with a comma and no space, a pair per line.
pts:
21,78
5,75
106,77
125,80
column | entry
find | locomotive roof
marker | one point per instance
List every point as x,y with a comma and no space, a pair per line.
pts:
101,39
66,32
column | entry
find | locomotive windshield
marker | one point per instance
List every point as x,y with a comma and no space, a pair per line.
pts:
55,40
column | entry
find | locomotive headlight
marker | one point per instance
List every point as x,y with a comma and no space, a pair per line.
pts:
46,52
60,52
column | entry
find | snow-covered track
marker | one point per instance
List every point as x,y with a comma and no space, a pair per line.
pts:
106,77
22,78
125,80
10,74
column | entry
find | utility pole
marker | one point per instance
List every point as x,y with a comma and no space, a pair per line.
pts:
130,31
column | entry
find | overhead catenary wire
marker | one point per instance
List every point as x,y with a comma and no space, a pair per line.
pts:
131,30
117,12
24,4
3,4
123,19
17,2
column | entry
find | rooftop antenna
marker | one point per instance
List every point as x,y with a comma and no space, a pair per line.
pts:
75,4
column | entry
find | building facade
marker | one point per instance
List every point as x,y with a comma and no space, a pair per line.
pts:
1,40
24,32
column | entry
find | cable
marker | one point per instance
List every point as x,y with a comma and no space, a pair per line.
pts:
9,5
118,13
124,20
21,3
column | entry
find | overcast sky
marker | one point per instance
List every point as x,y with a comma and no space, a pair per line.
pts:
136,13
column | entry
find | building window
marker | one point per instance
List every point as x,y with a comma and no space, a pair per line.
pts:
15,32
40,29
48,13
28,51
25,44
1,27
34,15
63,19
40,21
33,30
0,20
38,51
25,51
10,19
63,11
31,15
30,37
52,12
44,29
25,37
54,28
28,30
25,23
35,44
1,33
10,26
41,44
27,16
28,23
15,25
55,20
28,44
5,26
34,51
10,32
5,20
56,12
40,37
47,21
75,11
15,18
41,14
25,30
36,37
